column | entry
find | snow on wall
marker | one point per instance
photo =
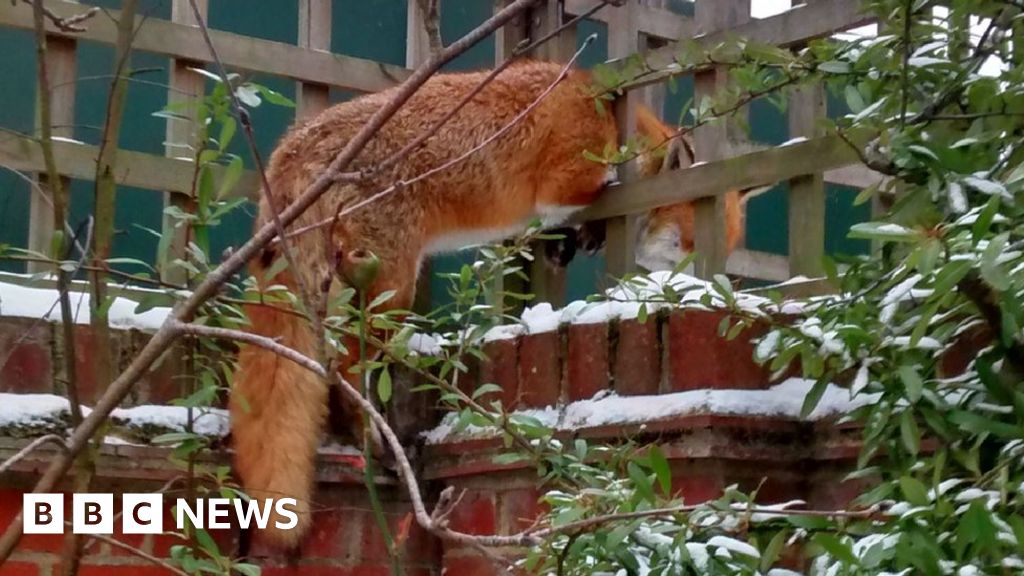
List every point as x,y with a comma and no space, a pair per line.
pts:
784,400
24,302
48,412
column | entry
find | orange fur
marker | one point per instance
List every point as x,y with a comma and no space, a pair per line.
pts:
538,168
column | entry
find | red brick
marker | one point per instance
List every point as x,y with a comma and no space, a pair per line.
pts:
637,359
698,488
519,509
469,566
475,514
587,360
540,369
12,568
330,534
965,349
89,389
699,358
26,365
501,368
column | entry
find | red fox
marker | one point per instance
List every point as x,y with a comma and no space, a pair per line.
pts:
535,170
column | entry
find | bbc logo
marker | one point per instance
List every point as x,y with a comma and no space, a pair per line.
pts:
144,513
93,513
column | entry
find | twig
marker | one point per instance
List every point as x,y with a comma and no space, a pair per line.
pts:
137,552
29,448
208,288
68,24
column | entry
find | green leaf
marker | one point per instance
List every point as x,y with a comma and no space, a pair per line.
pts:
232,174
882,231
990,269
641,481
911,382
834,67
853,98
909,432
914,491
662,470
836,548
381,298
384,385
509,458
813,397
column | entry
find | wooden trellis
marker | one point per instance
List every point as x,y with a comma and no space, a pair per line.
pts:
639,25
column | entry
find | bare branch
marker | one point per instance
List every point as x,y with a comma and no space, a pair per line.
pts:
69,24
29,448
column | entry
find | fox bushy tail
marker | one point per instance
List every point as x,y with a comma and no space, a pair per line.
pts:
278,410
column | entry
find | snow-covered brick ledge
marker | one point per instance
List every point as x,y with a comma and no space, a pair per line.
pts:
782,401
18,301
27,415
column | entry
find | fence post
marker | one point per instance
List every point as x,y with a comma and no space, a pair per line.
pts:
806,193
314,34
61,67
713,142
547,283
185,85
621,231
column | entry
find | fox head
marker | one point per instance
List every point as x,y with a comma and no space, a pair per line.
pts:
666,233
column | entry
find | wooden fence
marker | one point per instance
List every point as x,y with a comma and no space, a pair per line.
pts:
728,161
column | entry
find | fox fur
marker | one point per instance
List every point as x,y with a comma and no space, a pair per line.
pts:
535,170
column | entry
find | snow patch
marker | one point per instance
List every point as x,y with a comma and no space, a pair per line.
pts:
24,302
784,400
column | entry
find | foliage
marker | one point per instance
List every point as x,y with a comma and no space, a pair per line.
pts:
943,450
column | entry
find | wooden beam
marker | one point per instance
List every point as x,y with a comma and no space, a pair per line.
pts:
793,27
136,169
236,50
710,179
652,21
759,265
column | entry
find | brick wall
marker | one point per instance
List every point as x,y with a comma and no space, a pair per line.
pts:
668,353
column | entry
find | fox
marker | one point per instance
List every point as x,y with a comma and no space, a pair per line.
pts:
536,170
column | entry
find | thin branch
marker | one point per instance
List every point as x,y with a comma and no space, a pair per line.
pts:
68,24
29,448
210,286
137,552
